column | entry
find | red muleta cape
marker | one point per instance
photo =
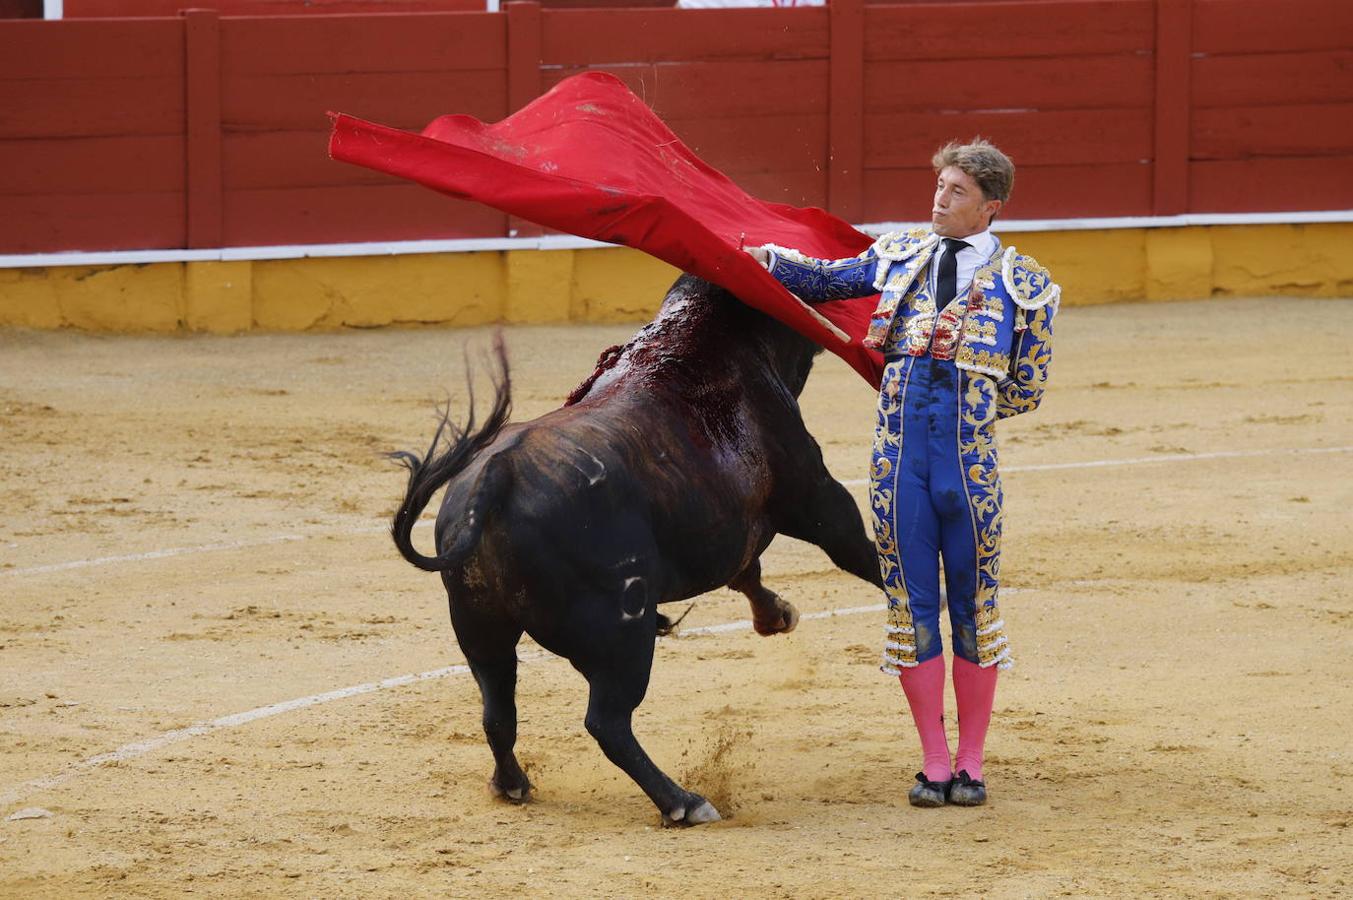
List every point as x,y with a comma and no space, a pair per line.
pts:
591,159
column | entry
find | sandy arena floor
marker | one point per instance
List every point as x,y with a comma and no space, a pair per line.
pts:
193,528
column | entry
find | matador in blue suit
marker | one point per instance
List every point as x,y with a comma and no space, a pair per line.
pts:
965,327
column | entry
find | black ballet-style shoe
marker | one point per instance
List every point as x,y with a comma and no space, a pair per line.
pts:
967,791
929,794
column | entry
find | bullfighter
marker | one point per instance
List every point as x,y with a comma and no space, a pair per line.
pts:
965,327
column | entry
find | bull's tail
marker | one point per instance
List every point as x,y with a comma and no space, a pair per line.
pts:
451,451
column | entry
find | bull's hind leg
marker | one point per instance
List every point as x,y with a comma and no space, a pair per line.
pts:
616,658
490,648
771,614
498,686
613,697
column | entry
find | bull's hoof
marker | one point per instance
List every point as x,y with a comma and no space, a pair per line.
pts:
783,623
515,794
703,814
680,818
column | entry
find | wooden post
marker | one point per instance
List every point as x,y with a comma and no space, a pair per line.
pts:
1174,45
202,128
845,115
524,43
523,53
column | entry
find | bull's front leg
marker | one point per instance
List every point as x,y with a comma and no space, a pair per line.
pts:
828,516
770,613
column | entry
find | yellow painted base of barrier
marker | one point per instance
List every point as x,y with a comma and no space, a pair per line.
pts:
621,285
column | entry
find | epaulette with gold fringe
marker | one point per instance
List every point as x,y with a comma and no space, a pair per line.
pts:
896,246
1029,284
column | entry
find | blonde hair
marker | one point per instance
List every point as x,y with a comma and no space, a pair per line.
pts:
983,162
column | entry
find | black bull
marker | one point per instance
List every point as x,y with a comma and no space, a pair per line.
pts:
666,477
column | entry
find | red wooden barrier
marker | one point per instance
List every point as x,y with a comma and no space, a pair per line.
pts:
524,57
1174,23
20,9
282,75
203,131
202,82
102,9
1272,105
845,121
91,135
750,99
1064,87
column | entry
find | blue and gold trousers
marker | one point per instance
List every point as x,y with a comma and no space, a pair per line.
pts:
935,494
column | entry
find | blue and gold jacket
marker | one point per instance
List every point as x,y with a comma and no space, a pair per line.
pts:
1001,329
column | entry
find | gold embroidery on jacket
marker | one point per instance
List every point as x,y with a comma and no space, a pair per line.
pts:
1029,375
899,649
987,362
1029,284
977,446
977,330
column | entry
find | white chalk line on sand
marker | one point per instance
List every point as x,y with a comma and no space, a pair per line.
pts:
178,735
1148,460
857,482
199,548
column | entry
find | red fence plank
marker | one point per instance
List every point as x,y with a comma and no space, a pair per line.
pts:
279,159
1056,192
385,43
781,142
402,99
1273,78
524,37
92,9
1257,185
86,107
1040,192
604,4
46,223
1262,26
796,187
1170,177
589,37
111,165
1231,132
722,88
1030,138
202,131
326,215
994,83
1053,29
523,54
120,48
20,9
846,122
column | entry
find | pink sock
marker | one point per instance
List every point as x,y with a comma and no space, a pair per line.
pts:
924,687
975,690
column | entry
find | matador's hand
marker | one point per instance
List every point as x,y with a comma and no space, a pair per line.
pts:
759,254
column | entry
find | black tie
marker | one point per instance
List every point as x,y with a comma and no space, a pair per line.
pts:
948,283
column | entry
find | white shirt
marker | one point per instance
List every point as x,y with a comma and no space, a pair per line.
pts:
979,250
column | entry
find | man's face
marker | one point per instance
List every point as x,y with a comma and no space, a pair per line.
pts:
959,208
